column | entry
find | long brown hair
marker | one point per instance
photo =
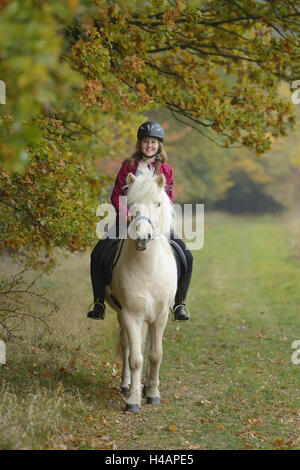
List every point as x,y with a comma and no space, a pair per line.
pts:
161,155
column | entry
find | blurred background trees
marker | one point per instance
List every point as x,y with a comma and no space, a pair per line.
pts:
234,179
82,75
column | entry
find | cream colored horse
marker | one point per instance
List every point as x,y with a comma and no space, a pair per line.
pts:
144,282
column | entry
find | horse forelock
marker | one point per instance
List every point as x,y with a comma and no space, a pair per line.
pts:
145,190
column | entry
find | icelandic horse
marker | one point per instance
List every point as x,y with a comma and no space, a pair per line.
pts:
144,282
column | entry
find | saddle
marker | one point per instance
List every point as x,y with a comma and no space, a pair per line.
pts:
180,258
111,255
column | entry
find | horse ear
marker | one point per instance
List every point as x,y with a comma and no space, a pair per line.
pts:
130,178
161,180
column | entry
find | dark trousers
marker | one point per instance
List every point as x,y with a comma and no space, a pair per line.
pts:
185,276
98,273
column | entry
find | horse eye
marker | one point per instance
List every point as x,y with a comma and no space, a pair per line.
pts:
158,204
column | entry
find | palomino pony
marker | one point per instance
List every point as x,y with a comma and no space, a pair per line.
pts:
144,282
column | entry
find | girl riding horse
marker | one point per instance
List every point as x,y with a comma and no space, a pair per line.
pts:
149,154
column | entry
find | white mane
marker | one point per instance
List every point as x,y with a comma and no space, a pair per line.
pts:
145,190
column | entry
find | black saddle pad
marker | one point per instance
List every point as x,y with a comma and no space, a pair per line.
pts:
179,258
178,261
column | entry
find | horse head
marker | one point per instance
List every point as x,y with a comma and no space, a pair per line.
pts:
150,208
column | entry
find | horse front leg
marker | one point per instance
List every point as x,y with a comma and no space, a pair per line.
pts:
126,377
134,336
155,355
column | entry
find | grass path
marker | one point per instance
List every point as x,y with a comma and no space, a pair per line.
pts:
227,380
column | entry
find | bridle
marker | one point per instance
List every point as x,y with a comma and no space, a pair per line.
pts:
143,217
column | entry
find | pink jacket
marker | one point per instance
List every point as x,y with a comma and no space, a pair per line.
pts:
121,182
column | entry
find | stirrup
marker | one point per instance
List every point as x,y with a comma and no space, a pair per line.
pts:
90,312
97,303
173,310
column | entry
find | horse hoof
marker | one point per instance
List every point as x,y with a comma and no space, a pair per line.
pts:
125,391
132,408
153,401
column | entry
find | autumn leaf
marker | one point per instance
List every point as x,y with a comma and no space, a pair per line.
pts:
172,427
220,426
280,443
249,446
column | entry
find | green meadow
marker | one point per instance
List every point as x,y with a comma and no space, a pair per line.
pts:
227,376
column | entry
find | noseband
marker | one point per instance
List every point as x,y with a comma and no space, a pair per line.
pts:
142,217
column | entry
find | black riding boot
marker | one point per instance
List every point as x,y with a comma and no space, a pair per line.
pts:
101,258
179,310
98,283
98,312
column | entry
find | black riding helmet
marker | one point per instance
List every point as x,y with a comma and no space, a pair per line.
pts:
151,129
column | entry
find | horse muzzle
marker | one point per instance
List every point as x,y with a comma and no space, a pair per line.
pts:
142,242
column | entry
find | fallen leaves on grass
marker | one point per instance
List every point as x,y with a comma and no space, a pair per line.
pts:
260,334
220,426
204,402
173,428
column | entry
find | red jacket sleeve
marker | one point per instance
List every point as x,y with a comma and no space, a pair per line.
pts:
118,190
169,188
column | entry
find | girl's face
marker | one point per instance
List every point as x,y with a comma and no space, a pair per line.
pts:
149,146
